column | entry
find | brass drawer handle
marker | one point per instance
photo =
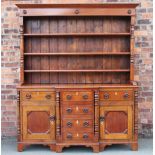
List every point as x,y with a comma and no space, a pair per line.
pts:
85,97
69,124
86,124
106,96
24,12
69,97
85,136
77,11
28,96
48,96
69,110
52,118
85,110
126,95
102,118
69,136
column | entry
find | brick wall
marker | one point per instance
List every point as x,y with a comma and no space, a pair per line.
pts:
11,54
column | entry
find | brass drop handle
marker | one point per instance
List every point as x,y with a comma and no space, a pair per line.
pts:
69,110
126,95
52,118
69,97
69,124
28,96
102,118
48,96
106,96
85,110
85,96
85,136
129,11
77,11
69,136
86,124
24,12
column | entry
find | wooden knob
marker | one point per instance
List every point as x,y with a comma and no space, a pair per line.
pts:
85,110
77,11
28,96
85,96
69,136
69,124
69,97
48,96
69,110
106,96
86,124
85,136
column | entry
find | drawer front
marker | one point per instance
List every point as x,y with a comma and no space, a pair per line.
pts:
37,96
77,125
77,110
76,136
118,95
77,96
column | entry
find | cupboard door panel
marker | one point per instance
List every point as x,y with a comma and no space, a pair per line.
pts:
38,123
116,122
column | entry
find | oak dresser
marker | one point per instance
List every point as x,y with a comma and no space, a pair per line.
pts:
77,83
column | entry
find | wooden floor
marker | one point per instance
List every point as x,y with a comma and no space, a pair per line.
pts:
145,148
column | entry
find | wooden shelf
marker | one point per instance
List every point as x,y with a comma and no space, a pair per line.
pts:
81,53
101,70
75,34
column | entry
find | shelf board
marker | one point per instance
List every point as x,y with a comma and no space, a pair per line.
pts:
64,71
78,53
74,34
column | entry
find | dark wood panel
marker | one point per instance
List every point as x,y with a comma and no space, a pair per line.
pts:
45,63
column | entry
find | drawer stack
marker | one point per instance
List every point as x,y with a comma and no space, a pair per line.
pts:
77,108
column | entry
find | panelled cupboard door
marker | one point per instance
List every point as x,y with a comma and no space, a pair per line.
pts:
39,123
116,122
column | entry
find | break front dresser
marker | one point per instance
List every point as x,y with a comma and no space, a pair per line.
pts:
77,83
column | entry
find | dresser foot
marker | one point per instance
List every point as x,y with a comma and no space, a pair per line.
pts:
96,149
134,146
59,148
102,147
53,147
20,147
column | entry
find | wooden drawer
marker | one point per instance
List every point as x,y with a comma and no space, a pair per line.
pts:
77,110
78,136
116,95
77,96
37,96
77,125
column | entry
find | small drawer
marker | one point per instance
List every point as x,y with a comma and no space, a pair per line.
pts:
118,95
78,110
72,136
37,96
78,125
77,96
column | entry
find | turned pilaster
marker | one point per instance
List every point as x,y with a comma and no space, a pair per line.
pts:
96,114
58,132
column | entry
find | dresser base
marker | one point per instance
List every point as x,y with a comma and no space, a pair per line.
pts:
95,147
